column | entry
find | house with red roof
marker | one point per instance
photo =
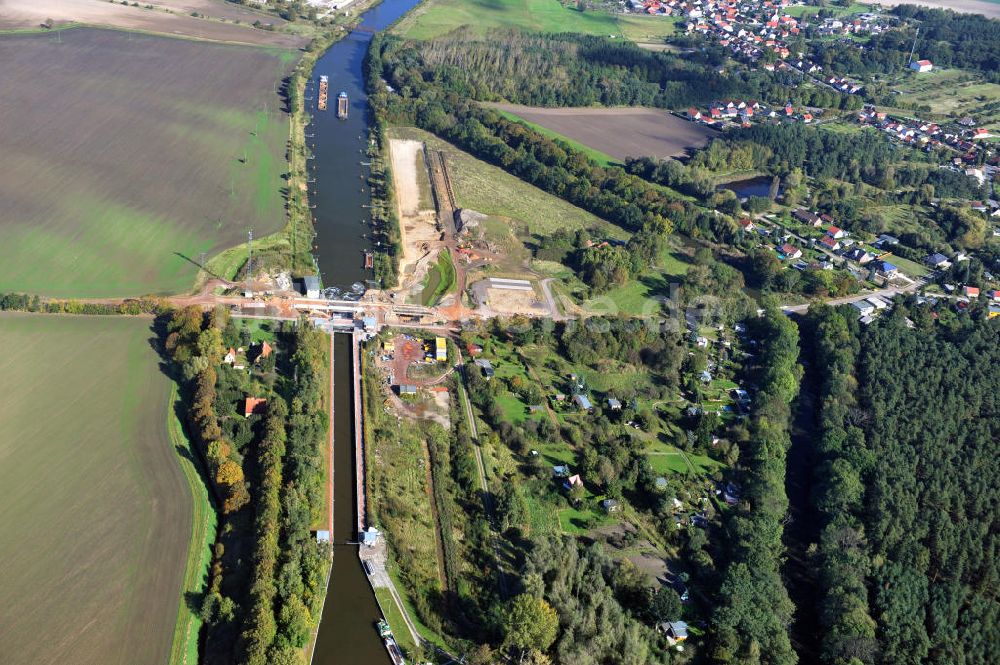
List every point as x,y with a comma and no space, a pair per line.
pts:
830,243
790,251
254,406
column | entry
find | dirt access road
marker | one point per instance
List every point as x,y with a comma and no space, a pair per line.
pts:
619,132
217,20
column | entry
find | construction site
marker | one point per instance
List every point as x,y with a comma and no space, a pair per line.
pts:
435,231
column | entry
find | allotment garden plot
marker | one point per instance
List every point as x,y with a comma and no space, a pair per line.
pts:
94,508
127,157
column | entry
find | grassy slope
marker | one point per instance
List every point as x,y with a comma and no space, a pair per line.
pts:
437,17
492,191
203,528
96,511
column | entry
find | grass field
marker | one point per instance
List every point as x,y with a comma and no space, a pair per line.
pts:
184,650
96,513
619,132
437,17
493,191
119,172
440,280
953,93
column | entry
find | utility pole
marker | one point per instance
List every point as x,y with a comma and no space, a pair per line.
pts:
249,258
914,47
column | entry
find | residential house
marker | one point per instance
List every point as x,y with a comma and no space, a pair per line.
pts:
937,260
864,307
807,217
878,303
836,232
858,255
676,631
486,366
790,251
747,224
970,291
614,404
262,352
830,243
887,269
611,506
254,406
921,66
573,481
583,402
560,471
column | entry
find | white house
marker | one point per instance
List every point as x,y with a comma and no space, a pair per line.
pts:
921,66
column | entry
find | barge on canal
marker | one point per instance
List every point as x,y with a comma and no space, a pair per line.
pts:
342,105
324,85
390,643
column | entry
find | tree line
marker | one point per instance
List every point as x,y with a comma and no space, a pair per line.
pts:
266,472
753,611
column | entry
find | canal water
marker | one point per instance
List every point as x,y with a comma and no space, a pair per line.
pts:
347,633
339,190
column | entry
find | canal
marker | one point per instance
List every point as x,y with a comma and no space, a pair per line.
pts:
338,190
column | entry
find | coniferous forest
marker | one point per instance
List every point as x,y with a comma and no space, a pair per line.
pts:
906,487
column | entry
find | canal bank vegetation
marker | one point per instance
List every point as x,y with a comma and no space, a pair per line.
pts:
384,215
906,487
258,418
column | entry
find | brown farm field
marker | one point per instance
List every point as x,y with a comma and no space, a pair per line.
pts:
95,511
618,132
216,20
126,156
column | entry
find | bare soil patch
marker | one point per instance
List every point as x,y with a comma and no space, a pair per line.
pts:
219,21
619,132
417,219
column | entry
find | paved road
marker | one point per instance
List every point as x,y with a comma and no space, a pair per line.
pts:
887,293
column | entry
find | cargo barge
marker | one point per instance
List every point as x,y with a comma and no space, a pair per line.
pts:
390,643
324,85
342,105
